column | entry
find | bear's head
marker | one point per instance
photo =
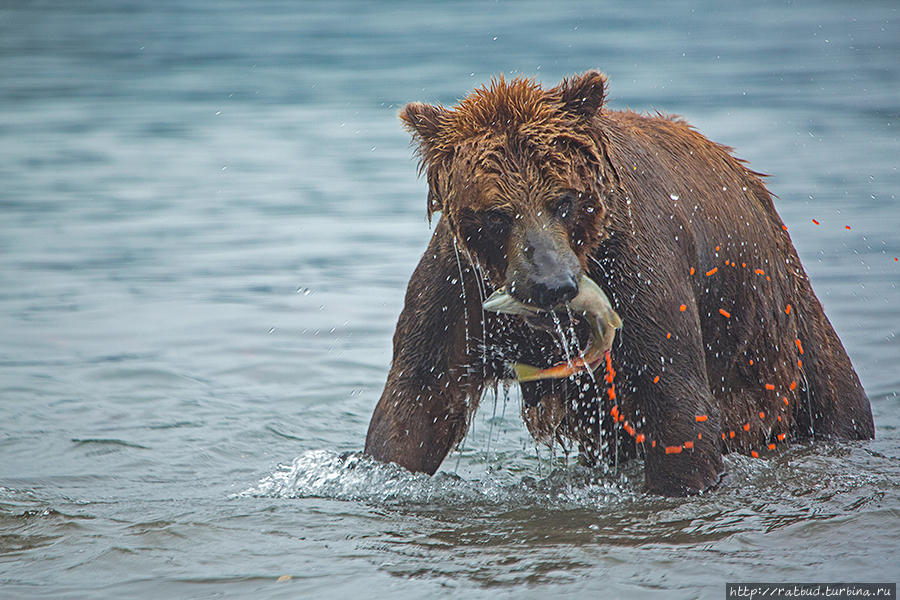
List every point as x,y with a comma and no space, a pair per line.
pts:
522,177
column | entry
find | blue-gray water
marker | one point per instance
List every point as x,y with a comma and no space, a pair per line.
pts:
208,216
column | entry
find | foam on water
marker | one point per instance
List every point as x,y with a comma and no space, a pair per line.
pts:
356,477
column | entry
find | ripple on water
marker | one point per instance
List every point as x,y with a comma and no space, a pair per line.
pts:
27,522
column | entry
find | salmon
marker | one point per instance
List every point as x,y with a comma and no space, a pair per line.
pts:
592,303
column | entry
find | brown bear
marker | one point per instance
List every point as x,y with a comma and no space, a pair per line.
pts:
724,346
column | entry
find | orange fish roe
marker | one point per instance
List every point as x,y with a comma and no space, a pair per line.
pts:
816,222
771,446
762,415
699,436
751,362
700,418
712,271
639,438
800,363
692,270
724,313
846,227
786,403
669,336
683,307
793,385
746,426
770,387
717,248
799,345
673,449
781,436
723,435
614,411
744,265
656,379
754,454
731,434
759,272
628,428
784,227
787,309
653,444
779,418
689,445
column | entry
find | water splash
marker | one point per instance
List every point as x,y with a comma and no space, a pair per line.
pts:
598,395
563,340
462,286
482,297
359,478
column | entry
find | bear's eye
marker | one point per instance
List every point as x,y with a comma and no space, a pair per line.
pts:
497,221
565,207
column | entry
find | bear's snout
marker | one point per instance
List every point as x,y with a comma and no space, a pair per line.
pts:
544,270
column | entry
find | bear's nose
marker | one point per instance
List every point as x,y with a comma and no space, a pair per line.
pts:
551,293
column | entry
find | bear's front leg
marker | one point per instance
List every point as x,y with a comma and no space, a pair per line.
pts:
665,398
686,458
436,374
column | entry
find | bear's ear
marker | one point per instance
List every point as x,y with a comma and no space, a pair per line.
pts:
582,95
424,121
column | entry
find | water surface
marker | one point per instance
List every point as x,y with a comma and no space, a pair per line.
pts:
208,216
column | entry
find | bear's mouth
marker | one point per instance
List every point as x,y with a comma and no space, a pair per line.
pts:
554,321
591,304
558,319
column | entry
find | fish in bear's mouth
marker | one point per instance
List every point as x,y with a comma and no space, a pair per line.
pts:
590,303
